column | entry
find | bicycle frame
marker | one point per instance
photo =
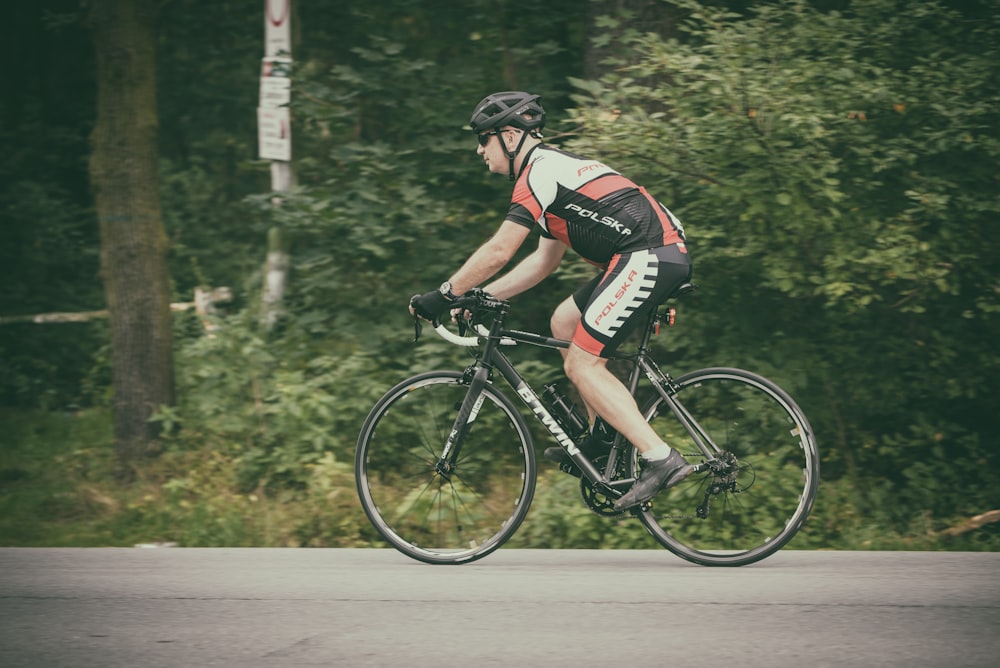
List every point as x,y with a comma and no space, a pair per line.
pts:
449,497
492,358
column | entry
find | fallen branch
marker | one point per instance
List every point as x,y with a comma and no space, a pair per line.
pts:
203,301
973,523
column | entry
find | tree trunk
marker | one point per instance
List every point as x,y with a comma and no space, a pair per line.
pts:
123,175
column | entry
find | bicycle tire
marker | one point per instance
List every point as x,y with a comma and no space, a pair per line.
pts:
762,501
434,518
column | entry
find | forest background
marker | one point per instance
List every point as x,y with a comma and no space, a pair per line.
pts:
835,164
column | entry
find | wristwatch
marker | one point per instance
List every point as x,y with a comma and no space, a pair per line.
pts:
445,289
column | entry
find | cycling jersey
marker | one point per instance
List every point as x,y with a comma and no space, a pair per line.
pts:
589,206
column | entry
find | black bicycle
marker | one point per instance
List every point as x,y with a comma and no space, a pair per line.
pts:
445,464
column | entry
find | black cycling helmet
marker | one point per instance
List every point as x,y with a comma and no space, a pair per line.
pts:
515,108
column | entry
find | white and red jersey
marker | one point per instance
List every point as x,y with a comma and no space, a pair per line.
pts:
589,206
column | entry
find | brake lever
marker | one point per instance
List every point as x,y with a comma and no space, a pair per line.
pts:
418,328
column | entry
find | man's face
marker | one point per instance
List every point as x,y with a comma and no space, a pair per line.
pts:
493,153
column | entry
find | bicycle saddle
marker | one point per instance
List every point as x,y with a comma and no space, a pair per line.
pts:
683,289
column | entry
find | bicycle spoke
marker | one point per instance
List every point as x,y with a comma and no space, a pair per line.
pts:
453,517
758,491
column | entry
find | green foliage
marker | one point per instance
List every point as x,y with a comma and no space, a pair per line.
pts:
793,120
836,173
560,519
59,487
208,78
275,416
388,182
48,237
53,369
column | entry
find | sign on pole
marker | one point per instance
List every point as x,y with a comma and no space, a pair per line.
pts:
277,31
274,133
275,84
274,128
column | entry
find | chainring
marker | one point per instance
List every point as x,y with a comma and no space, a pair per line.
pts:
598,502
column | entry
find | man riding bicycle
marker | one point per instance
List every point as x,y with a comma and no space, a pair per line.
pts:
637,243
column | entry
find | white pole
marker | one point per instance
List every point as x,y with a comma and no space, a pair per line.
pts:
275,143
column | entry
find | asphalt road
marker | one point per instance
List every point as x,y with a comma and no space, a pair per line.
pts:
302,607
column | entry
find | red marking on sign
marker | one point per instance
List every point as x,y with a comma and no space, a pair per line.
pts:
285,5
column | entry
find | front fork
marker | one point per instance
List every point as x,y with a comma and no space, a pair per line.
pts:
467,413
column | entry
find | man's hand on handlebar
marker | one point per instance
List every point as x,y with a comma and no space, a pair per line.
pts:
430,305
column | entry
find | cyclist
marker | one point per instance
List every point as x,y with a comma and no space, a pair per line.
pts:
611,222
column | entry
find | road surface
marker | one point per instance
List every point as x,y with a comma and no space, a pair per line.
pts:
318,607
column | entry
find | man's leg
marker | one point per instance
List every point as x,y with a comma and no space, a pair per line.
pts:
634,283
565,319
564,322
662,465
604,393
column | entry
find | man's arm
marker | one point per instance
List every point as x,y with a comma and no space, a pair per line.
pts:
530,271
490,258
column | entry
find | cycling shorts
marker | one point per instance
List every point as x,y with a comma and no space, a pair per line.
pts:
617,301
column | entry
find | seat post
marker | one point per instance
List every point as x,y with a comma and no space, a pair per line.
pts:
654,314
647,331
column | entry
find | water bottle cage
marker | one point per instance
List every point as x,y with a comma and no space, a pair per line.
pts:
564,412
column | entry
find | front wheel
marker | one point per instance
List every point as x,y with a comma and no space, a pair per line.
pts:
471,508
756,492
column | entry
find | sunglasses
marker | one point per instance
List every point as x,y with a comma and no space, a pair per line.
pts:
484,138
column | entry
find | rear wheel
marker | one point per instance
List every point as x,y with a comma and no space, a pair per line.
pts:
755,494
452,517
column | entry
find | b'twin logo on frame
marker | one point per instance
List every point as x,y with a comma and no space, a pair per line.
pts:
531,399
613,223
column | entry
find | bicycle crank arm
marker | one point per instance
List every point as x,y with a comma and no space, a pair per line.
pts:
615,488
